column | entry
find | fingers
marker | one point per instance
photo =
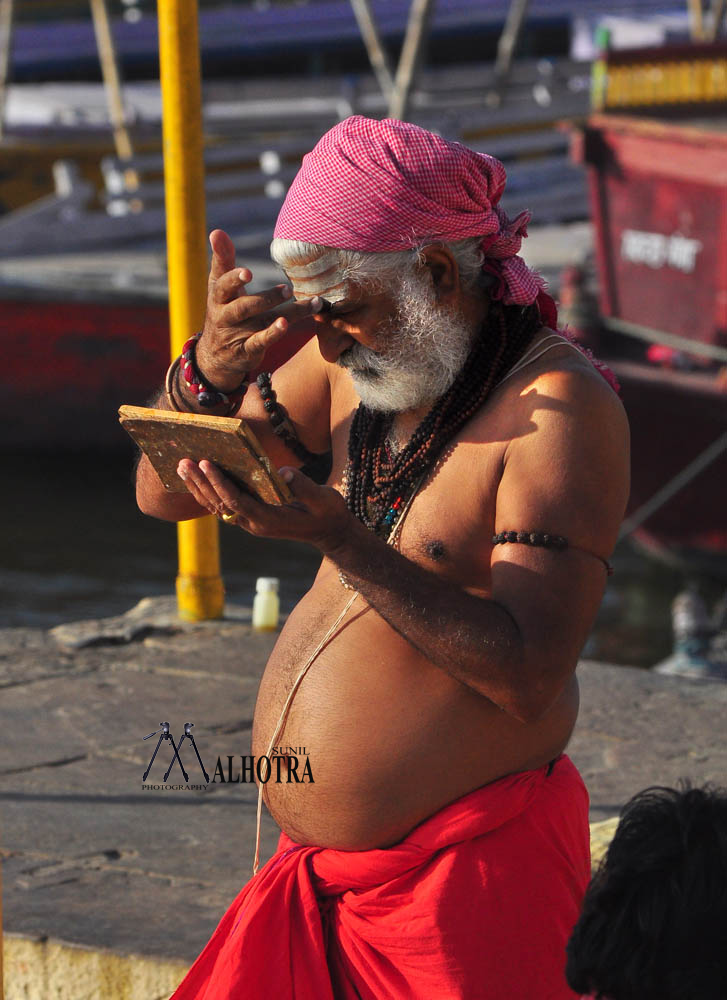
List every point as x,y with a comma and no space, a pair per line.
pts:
268,306
226,282
325,504
230,285
223,254
279,322
302,487
257,343
213,491
237,307
224,491
186,470
318,514
307,495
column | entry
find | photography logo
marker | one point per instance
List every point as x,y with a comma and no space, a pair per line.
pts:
166,736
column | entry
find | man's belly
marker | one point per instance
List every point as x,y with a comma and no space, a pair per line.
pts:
390,737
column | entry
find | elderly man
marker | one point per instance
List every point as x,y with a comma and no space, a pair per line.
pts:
479,474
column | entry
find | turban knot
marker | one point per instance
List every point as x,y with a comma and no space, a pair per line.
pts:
515,282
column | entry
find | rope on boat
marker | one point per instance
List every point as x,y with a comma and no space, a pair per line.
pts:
662,496
669,339
706,457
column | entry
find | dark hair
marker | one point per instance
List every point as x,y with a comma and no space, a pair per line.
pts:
654,919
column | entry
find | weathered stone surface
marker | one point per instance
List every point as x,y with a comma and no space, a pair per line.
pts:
637,728
93,859
30,654
152,614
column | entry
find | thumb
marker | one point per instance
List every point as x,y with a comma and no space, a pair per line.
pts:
318,500
331,520
302,488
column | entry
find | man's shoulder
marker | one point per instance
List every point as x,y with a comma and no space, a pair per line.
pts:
560,390
568,453
580,389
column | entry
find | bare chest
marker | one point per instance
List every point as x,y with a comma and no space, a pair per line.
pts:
449,523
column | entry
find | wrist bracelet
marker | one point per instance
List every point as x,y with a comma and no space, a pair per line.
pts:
207,395
169,385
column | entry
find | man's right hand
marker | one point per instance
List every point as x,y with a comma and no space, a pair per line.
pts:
238,330
238,327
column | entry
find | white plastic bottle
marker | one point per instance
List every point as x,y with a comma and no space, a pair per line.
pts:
266,606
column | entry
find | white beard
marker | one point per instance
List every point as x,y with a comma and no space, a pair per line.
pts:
425,348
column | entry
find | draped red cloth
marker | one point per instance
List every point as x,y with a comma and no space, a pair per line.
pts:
477,902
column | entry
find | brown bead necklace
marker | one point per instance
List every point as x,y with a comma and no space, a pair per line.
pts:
377,482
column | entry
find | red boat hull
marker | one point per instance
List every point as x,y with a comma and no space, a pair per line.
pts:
658,195
674,416
68,366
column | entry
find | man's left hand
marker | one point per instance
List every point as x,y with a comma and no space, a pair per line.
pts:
317,514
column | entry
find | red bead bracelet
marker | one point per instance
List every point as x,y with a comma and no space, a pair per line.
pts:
206,394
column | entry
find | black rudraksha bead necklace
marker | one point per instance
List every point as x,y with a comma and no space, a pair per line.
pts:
378,482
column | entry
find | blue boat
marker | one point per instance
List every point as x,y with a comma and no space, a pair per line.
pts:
321,35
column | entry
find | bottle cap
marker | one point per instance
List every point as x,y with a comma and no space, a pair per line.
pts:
267,585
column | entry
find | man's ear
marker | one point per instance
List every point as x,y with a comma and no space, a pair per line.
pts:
444,271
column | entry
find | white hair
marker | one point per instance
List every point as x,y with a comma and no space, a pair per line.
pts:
421,349
379,271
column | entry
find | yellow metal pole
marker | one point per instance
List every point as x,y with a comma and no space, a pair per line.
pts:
200,593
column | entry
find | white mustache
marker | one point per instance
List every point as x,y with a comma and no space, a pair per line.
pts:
362,360
422,350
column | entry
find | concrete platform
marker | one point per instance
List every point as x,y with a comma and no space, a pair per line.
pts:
111,890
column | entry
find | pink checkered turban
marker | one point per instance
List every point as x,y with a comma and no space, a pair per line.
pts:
388,185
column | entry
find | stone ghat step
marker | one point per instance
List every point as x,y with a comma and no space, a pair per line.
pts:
102,878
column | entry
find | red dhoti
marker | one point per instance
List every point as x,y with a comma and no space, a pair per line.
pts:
476,903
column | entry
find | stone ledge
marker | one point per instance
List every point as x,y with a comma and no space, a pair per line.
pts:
40,968
78,831
152,614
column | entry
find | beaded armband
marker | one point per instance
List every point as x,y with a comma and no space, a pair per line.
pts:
317,466
546,541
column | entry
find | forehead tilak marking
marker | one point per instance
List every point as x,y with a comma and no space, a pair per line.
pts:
334,294
318,277
316,265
